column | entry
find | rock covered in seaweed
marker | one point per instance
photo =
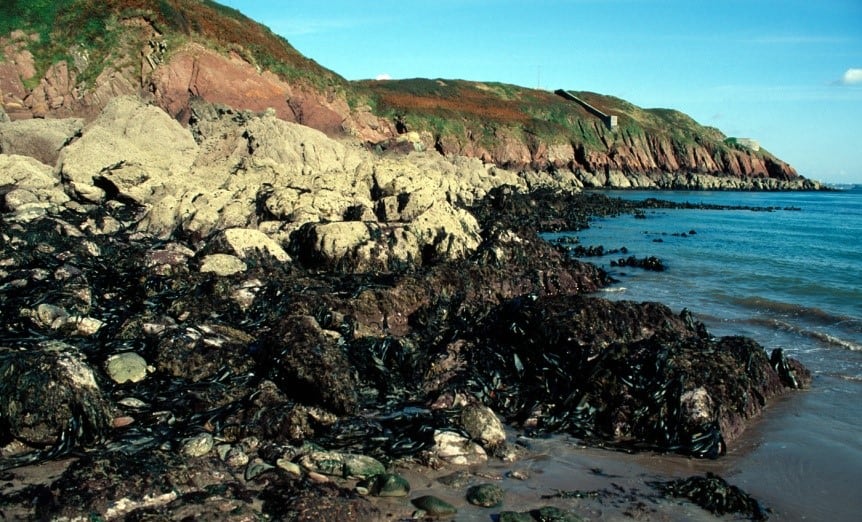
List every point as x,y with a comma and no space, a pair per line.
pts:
50,397
373,358
311,362
715,495
622,373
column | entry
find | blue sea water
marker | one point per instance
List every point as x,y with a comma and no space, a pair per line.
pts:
789,278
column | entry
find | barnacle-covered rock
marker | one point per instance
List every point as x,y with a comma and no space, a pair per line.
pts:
126,367
434,506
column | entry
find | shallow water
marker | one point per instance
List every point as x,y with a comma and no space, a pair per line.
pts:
788,278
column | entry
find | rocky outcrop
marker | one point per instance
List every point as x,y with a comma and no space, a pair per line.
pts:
241,363
39,139
261,183
626,161
58,93
198,72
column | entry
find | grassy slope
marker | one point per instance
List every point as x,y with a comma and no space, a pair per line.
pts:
456,106
67,27
483,111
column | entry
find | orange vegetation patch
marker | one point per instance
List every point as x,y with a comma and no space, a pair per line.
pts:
465,101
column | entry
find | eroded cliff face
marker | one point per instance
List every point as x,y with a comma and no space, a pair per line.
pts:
624,160
173,79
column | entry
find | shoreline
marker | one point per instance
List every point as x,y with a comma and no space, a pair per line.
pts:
556,471
257,427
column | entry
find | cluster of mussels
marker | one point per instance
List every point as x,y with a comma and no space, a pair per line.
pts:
178,390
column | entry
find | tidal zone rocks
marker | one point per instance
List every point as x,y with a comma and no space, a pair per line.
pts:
187,390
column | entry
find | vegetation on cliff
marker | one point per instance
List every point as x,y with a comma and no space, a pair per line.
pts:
70,28
511,126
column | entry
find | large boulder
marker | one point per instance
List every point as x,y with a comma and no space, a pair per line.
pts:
132,149
39,139
27,184
49,398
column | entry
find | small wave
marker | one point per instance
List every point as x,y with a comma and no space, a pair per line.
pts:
845,377
823,337
614,290
808,313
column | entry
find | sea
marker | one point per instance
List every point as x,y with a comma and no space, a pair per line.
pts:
787,272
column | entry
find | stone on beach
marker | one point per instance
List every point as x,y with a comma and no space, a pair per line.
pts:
485,495
49,397
126,367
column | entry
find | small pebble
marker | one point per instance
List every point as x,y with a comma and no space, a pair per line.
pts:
197,446
256,468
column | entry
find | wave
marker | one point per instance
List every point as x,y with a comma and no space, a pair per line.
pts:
823,337
846,377
810,314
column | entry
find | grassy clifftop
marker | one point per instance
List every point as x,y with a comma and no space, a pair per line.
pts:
73,28
457,106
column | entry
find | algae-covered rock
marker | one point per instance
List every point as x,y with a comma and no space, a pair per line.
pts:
434,507
311,364
385,485
485,495
715,495
48,397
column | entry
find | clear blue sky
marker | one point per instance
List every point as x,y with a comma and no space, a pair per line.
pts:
785,72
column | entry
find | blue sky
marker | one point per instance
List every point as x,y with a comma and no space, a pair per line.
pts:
785,72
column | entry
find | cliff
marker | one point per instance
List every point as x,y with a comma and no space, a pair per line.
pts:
70,58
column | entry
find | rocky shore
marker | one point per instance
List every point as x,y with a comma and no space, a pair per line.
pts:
245,319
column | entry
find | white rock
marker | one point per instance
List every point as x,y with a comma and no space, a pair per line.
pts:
458,450
126,367
223,264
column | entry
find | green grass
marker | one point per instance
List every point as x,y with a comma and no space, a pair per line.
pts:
90,27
